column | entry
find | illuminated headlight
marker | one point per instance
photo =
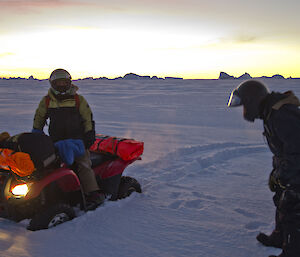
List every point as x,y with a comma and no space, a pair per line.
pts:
20,190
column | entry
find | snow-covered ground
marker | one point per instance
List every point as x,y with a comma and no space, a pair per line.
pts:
204,173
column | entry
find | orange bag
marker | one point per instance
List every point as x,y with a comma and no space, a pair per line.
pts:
126,149
18,162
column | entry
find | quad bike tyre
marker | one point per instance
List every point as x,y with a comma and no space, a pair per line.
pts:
127,186
51,216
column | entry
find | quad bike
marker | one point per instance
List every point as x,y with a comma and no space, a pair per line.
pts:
50,200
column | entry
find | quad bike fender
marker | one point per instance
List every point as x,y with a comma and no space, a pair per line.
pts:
112,167
66,179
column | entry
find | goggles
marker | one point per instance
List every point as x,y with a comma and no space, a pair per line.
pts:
61,85
234,99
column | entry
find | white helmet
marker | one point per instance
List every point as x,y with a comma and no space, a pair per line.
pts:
60,75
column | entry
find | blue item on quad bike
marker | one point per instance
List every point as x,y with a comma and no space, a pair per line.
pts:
70,149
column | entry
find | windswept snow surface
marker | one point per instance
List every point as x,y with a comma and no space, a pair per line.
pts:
204,173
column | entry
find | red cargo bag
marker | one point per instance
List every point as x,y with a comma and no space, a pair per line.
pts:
126,149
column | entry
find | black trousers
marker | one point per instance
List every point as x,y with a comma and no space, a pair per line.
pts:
287,219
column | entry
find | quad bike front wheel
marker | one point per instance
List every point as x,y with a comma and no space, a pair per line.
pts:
51,217
127,186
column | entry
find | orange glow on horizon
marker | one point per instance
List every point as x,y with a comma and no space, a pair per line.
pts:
156,40
213,75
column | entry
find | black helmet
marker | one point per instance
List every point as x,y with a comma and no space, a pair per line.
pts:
55,79
249,94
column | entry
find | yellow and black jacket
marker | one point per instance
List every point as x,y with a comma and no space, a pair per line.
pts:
70,117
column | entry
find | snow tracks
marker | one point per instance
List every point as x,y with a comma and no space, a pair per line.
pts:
213,194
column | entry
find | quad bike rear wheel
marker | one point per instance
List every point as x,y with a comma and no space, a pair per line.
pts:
127,186
51,217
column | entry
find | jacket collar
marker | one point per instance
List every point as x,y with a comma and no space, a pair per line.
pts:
275,101
289,99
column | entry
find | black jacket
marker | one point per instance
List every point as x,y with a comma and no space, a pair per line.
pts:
281,117
67,120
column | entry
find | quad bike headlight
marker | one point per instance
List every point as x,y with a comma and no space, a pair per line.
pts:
20,190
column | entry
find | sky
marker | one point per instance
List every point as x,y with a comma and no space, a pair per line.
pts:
183,38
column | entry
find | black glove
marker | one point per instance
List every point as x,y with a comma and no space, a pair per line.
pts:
289,199
273,184
89,138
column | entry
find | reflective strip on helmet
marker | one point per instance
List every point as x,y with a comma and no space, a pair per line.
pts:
234,99
59,76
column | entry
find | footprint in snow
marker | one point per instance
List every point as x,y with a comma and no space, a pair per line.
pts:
194,204
245,213
238,174
255,225
175,195
204,196
176,204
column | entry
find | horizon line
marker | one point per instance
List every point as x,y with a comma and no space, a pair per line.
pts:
134,76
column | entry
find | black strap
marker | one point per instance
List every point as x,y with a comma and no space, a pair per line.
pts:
101,140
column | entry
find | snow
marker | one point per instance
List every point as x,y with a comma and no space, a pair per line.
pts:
204,172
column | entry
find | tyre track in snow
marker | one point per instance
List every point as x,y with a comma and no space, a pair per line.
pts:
181,179
209,187
195,159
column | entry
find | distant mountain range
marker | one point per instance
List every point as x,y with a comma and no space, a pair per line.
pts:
129,76
133,76
224,75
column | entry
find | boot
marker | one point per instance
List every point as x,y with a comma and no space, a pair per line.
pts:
291,239
94,199
291,247
274,240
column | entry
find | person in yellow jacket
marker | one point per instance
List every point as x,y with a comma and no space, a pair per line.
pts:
71,121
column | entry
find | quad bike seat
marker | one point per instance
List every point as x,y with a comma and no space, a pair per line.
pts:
99,158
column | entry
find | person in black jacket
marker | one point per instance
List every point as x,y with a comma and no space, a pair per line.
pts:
281,118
